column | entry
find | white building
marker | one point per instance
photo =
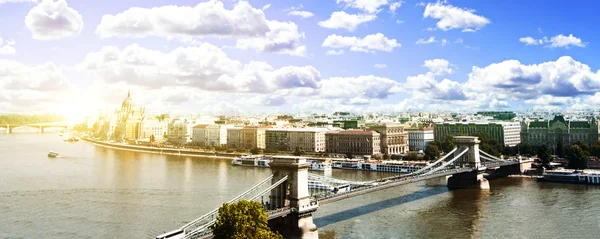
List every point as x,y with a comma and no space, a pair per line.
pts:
199,134
210,135
418,139
287,139
154,127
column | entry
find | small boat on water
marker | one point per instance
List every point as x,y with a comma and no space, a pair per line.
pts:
52,154
72,139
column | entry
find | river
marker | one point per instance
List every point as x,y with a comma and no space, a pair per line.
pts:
94,192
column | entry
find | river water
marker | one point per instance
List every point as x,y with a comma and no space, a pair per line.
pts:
93,192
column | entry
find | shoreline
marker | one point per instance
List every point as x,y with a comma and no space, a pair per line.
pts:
161,151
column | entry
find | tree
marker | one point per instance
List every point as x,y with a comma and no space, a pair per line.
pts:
584,146
244,219
545,155
298,151
376,156
560,149
386,156
412,156
431,152
577,157
447,144
488,144
595,149
255,151
525,149
152,138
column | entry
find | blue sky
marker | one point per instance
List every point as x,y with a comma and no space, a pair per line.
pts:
257,56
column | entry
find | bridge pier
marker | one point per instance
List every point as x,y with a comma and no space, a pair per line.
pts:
473,179
299,223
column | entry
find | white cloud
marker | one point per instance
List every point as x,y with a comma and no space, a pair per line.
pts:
264,100
451,17
6,47
334,52
394,6
368,6
530,41
210,18
343,20
428,41
426,88
267,6
566,41
204,67
556,41
438,66
369,86
550,100
370,43
380,66
303,14
399,22
53,20
283,37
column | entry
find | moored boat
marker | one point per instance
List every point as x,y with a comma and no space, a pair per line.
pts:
252,160
52,154
571,176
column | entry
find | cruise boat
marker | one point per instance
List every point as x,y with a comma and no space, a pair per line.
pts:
319,166
52,154
252,160
348,164
390,166
571,176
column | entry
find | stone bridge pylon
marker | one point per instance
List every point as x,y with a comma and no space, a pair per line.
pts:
473,179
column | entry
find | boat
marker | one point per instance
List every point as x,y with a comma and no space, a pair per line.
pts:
571,176
391,166
52,154
72,139
319,166
347,164
252,160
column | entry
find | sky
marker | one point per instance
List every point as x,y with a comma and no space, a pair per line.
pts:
262,56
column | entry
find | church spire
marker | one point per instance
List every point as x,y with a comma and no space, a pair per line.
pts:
128,93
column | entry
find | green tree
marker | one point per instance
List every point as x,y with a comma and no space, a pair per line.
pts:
584,146
488,144
525,149
376,156
431,152
560,149
256,151
577,157
244,219
412,156
298,151
386,156
545,155
447,144
595,149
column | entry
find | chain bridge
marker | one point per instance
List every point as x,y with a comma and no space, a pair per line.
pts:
291,194
8,128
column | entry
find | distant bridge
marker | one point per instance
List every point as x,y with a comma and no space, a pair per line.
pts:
8,128
289,203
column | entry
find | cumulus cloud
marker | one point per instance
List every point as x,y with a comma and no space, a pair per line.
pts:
428,41
370,43
438,66
451,17
368,6
426,88
369,86
394,6
343,20
302,14
17,1
555,41
243,22
204,67
53,20
334,52
380,66
7,47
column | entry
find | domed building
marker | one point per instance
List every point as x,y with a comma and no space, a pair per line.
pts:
129,125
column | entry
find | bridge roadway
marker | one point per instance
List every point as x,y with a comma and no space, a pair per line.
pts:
401,180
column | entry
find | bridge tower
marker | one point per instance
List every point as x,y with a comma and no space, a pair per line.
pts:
471,159
298,224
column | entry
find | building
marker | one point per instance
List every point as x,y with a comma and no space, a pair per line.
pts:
353,142
349,124
287,139
253,137
234,137
199,135
418,139
216,135
551,132
507,133
180,131
498,115
394,140
155,129
129,121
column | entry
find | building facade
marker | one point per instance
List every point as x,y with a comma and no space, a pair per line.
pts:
253,137
234,137
507,133
155,129
394,140
551,132
129,122
354,142
199,133
418,139
180,131
287,139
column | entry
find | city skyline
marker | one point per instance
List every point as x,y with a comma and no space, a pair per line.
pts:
74,57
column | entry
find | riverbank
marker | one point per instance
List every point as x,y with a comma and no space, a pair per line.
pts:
163,151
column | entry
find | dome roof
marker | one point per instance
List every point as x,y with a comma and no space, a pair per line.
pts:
127,103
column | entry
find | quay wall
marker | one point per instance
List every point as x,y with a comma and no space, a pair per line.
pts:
164,151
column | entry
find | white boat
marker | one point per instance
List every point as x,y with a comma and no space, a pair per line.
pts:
252,160
320,166
52,154
348,164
